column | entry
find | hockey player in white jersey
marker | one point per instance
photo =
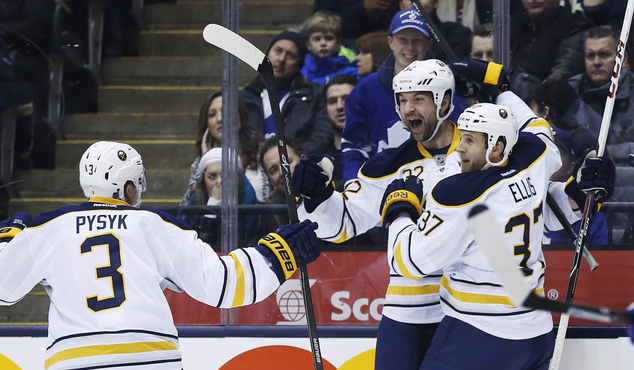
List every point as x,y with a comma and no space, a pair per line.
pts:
480,320
104,265
411,313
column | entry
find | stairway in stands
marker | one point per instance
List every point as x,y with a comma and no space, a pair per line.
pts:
151,102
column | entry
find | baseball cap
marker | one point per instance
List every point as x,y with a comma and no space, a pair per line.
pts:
408,18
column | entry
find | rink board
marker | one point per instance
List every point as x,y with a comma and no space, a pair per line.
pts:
348,289
280,353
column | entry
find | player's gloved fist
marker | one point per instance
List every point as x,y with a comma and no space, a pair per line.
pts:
290,247
12,226
596,174
491,78
312,180
402,196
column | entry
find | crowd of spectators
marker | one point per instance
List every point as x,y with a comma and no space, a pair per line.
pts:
333,76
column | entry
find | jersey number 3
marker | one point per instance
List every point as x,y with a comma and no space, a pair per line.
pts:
109,271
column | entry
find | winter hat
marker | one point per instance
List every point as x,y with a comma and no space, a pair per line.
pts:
211,157
297,38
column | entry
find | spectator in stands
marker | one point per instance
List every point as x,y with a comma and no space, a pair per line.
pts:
25,26
456,35
301,102
327,57
209,135
337,91
547,42
469,13
360,16
593,86
569,146
372,123
269,159
603,12
208,191
372,49
482,42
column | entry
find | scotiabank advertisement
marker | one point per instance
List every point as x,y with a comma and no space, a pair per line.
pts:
348,289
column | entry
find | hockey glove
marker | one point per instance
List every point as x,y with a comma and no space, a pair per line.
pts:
491,78
290,247
591,174
402,196
312,180
10,227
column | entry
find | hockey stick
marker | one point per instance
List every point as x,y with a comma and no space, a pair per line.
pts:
251,55
581,239
490,240
570,230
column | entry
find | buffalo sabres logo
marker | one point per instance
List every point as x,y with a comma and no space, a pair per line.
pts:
503,113
122,156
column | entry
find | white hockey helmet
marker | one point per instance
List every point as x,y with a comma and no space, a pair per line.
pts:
431,75
495,121
105,168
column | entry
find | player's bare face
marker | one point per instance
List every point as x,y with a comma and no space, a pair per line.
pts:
335,100
419,113
271,162
214,119
600,55
407,46
323,44
472,149
285,59
213,180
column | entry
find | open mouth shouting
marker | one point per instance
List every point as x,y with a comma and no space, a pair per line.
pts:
416,124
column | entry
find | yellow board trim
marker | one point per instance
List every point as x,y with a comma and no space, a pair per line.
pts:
108,349
492,75
282,251
238,298
413,290
401,264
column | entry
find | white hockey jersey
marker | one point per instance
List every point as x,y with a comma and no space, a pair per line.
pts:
470,290
356,210
104,266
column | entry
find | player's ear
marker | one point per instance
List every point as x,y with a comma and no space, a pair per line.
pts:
130,193
498,150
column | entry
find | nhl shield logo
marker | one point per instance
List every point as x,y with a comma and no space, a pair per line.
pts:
440,160
503,113
122,156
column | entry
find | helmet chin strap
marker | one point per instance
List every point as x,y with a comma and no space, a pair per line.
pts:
435,130
494,164
440,121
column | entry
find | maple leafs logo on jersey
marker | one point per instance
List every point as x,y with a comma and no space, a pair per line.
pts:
122,156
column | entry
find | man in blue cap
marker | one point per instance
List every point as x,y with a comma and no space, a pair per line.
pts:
372,123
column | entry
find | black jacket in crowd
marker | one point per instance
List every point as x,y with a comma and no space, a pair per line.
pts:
304,113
